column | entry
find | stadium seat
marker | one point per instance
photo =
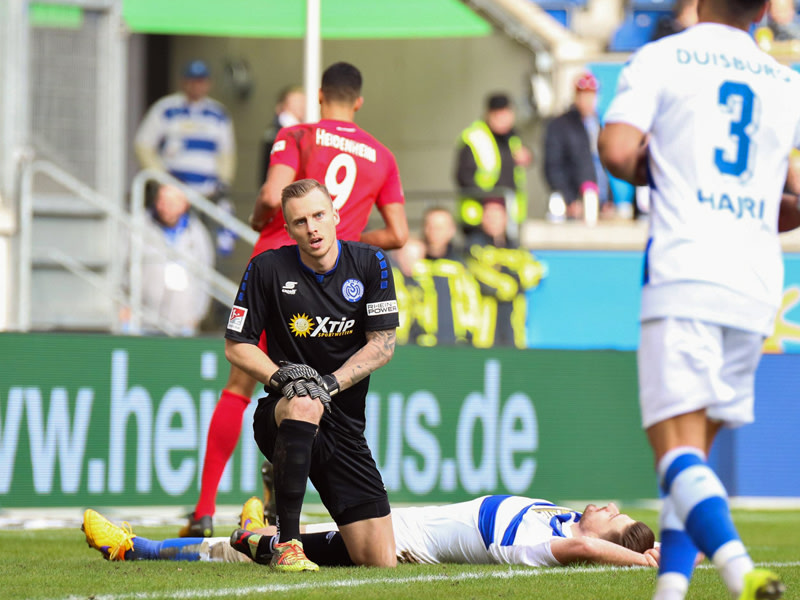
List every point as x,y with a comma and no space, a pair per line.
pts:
636,29
651,5
565,4
561,15
561,10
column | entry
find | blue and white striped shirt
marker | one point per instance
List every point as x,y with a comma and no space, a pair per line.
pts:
194,140
488,530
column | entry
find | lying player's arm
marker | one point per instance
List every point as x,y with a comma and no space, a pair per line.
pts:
250,359
623,151
371,356
597,551
269,197
395,232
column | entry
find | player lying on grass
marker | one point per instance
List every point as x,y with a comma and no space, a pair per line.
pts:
490,530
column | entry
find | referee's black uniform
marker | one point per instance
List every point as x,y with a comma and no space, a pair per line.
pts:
322,320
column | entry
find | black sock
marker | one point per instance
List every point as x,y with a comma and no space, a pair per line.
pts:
326,549
264,550
253,545
292,461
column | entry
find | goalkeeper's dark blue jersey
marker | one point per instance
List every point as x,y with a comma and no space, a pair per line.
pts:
318,320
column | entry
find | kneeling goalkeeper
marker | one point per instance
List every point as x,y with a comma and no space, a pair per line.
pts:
329,311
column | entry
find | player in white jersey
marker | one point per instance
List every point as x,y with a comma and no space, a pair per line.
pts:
515,530
707,120
490,530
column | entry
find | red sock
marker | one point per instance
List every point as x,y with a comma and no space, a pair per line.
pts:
223,435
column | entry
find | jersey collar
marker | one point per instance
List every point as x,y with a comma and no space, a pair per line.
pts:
320,277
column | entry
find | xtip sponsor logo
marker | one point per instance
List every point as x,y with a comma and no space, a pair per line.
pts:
290,288
381,308
302,325
236,320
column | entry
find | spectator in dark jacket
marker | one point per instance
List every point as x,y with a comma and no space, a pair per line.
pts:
571,163
289,110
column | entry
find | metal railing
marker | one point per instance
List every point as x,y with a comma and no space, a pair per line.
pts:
78,188
222,288
78,269
134,223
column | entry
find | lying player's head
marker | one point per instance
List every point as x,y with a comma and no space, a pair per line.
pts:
341,84
638,537
607,523
310,216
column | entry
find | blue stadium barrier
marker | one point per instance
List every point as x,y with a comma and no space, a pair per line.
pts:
761,459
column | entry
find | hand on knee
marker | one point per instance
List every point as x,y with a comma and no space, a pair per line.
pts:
301,408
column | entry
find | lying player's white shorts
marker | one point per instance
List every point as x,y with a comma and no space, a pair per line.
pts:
687,365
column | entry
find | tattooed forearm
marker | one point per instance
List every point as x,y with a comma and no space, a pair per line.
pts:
374,354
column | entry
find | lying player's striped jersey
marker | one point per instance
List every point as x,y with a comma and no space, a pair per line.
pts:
491,529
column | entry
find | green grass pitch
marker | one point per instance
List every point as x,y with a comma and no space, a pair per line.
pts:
58,565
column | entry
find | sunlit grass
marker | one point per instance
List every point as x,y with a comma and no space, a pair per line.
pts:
58,565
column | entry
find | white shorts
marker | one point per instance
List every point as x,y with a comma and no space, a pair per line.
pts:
687,365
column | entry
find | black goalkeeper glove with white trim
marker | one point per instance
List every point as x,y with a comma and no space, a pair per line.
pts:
322,391
290,378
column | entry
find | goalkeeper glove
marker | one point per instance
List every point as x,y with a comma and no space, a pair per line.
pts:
289,377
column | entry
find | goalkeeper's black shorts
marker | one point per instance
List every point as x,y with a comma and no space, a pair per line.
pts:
342,468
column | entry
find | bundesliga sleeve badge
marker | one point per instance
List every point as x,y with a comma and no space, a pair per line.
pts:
237,318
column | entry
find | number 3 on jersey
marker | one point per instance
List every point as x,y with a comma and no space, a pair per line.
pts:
340,189
732,96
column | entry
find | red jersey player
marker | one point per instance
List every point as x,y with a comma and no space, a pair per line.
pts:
356,168
359,172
